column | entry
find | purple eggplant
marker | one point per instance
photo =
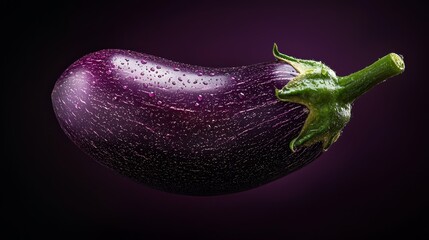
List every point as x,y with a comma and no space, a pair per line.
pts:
206,131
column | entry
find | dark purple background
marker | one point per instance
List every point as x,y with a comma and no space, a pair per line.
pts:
372,183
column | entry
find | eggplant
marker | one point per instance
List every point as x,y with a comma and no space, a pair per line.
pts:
206,131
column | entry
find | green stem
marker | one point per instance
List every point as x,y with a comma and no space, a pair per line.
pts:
356,84
329,97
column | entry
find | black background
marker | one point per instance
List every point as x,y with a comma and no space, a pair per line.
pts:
372,183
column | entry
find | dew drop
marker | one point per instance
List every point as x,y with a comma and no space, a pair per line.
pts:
108,72
176,69
195,82
115,98
212,74
159,76
143,61
200,97
125,87
241,95
232,78
159,102
205,83
200,74
158,67
174,83
180,79
142,73
152,69
197,104
151,94
145,85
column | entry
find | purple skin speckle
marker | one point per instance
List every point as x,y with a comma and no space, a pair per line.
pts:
182,128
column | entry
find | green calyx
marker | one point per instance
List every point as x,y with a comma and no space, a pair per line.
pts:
329,98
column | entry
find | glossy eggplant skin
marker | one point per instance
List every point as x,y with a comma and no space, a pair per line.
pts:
181,128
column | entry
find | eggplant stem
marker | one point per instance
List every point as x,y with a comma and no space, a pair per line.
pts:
329,97
356,84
